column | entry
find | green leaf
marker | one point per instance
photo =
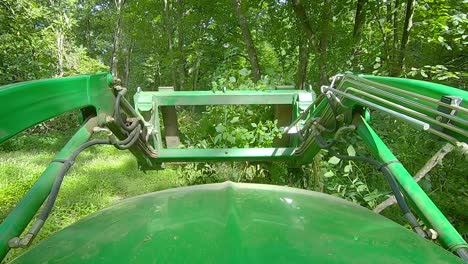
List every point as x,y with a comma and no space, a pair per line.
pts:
361,188
235,120
232,79
253,124
231,139
334,160
329,174
351,151
371,197
220,128
348,168
244,72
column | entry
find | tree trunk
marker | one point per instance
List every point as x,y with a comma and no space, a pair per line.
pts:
405,35
157,77
180,39
305,24
169,27
117,32
323,46
302,65
195,76
394,64
388,21
299,10
128,60
249,44
359,19
60,51
169,113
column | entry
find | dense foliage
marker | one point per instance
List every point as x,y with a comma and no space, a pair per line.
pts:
239,44
191,43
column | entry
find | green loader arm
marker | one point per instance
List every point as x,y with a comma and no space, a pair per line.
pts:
343,105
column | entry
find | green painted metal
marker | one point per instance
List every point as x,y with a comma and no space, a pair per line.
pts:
430,89
144,100
147,105
429,212
227,154
29,103
21,215
248,222
236,223
373,89
401,100
417,100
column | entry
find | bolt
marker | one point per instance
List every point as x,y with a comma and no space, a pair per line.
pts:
116,81
432,234
340,118
14,242
101,129
109,119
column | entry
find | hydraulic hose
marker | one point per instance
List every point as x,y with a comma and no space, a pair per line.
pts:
411,219
129,141
463,253
67,163
120,97
133,133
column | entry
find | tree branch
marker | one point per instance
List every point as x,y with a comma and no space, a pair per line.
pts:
304,21
430,164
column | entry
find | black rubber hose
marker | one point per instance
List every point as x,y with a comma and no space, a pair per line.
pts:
67,163
463,253
388,175
131,135
411,219
132,140
402,202
118,117
309,124
133,131
323,143
335,114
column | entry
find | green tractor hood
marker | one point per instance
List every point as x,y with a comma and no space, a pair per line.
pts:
236,223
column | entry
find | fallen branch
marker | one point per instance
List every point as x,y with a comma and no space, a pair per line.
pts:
430,164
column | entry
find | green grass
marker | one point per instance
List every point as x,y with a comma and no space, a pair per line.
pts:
101,176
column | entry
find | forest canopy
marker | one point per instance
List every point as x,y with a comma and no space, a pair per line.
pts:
191,44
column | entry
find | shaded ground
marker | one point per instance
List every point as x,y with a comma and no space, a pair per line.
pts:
100,177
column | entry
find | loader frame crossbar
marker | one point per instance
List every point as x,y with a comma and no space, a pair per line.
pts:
310,123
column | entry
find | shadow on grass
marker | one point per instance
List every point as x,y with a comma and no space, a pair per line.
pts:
100,176
52,142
